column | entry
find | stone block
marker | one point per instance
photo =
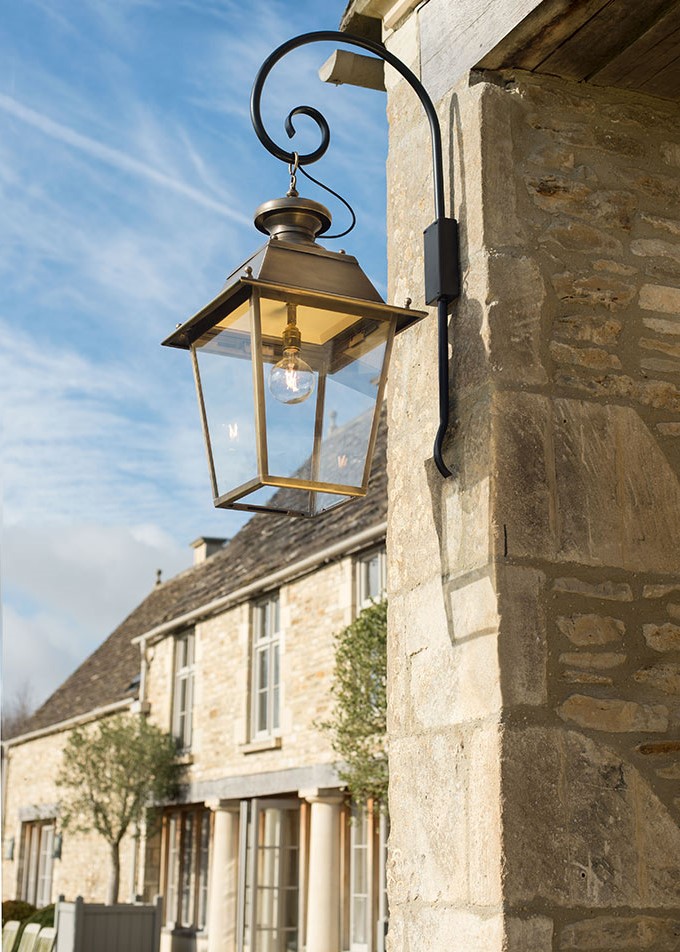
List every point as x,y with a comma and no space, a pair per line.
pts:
592,358
582,238
589,630
613,715
524,498
597,290
662,637
456,930
528,935
664,677
515,317
656,248
659,394
607,590
589,327
654,297
584,677
636,933
669,225
436,839
522,645
661,325
582,827
602,660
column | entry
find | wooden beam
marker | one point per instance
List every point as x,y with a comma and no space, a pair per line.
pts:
604,37
540,33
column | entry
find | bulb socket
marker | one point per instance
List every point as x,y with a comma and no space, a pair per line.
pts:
292,338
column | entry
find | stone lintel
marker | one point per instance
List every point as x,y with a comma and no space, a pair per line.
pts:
269,783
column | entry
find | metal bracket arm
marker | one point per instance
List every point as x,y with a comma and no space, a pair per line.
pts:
441,238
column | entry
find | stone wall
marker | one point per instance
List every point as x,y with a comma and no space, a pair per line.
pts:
534,620
312,609
31,793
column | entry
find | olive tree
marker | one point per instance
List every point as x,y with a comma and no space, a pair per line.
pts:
110,775
358,722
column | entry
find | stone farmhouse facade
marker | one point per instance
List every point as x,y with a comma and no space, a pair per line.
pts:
534,596
262,850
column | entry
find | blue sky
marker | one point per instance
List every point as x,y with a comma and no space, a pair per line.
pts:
129,174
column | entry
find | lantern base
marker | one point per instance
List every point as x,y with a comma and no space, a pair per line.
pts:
260,496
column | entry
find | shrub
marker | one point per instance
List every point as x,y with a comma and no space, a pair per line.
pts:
44,917
16,910
358,722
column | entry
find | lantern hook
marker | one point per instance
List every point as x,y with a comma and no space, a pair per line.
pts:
441,238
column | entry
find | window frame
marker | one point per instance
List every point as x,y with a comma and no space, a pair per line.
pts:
36,870
266,643
361,563
181,877
367,829
253,848
183,677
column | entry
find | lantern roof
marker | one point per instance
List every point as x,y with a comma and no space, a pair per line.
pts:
293,263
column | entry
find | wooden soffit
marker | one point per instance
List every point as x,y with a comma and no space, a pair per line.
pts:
632,44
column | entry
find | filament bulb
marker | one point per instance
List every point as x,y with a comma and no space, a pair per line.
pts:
292,379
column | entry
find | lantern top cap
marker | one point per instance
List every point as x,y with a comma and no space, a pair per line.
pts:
293,219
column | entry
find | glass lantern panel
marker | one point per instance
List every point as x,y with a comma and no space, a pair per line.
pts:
325,439
224,358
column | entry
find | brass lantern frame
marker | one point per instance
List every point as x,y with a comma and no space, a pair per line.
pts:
315,277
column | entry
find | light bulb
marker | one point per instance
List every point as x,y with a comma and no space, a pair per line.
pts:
292,379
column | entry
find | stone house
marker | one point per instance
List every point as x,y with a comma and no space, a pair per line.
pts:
262,851
534,617
534,657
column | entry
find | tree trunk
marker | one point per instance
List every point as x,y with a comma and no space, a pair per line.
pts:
114,877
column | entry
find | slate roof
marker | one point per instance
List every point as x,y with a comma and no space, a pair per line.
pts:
264,545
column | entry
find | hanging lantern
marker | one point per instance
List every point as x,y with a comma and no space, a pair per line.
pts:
290,362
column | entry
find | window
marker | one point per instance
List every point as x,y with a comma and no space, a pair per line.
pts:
371,578
269,876
367,893
266,668
37,848
183,689
187,848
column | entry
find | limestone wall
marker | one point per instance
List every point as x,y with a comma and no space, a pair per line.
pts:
534,670
587,506
31,793
313,608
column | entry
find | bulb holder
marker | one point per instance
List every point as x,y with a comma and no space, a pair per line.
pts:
292,338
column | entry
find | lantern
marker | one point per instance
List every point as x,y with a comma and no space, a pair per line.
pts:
290,362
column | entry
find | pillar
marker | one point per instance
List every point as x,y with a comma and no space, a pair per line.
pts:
534,626
323,894
223,885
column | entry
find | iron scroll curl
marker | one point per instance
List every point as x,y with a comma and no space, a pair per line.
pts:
444,296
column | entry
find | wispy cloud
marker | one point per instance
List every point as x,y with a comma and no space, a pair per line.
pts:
114,157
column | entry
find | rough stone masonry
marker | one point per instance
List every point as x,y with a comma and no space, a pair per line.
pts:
535,596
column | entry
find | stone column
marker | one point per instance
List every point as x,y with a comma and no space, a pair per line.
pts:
323,893
534,619
223,885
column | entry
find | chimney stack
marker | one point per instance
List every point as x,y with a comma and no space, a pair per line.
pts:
205,546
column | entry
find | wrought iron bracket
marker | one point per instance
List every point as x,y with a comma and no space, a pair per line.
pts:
442,270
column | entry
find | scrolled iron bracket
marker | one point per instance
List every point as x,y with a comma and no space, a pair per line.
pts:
442,270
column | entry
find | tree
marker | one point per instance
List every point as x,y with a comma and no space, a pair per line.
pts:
359,720
110,775
17,710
